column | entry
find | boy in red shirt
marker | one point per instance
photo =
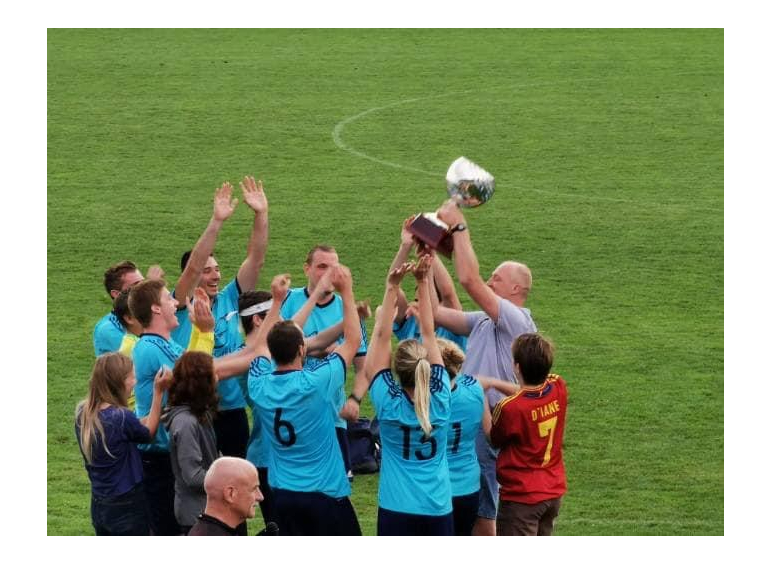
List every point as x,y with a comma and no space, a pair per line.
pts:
528,427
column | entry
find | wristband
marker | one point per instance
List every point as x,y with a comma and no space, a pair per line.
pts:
356,399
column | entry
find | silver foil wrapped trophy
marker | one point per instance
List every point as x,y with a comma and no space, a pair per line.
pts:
469,185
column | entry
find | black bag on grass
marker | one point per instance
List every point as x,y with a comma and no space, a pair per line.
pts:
364,445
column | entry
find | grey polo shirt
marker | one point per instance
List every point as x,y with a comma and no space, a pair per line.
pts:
489,343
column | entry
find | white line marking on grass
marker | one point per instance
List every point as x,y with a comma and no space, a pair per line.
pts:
339,127
670,523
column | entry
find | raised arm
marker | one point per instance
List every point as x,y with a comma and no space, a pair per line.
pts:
466,263
202,333
451,318
378,354
322,288
407,243
238,362
321,341
254,196
224,205
162,382
445,285
342,280
425,313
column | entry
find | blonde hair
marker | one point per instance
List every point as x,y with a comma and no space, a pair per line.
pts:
452,355
107,385
410,363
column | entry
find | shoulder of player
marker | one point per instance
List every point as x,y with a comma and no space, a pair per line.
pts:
556,379
108,323
294,299
385,377
329,363
149,344
466,380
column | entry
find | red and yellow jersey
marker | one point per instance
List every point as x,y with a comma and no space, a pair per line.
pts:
528,427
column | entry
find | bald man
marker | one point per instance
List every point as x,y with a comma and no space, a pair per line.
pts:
491,333
232,495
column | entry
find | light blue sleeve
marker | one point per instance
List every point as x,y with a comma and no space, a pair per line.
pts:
329,376
230,293
291,304
440,392
384,393
108,335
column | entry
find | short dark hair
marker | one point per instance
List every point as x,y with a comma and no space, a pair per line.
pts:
534,354
186,258
113,276
194,384
283,341
143,296
248,299
120,307
316,248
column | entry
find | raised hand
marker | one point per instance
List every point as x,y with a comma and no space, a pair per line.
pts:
253,194
450,213
155,272
422,269
200,310
364,309
279,287
163,379
325,285
407,238
397,274
341,278
224,203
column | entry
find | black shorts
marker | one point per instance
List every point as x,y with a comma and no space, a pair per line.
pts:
159,491
232,430
392,523
314,514
267,506
464,511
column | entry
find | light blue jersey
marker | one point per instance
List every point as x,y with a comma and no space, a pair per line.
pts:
108,334
410,329
321,318
227,339
294,408
464,424
414,477
150,353
258,451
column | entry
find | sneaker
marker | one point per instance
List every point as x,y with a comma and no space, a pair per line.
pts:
350,475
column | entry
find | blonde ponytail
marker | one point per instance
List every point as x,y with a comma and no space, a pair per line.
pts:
422,395
452,355
410,362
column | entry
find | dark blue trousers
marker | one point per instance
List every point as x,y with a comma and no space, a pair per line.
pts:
392,523
121,515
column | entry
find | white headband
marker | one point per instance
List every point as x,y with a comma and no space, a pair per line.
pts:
258,308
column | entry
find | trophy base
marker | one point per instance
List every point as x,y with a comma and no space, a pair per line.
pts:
433,233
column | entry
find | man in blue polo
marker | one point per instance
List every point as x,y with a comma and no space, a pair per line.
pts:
201,269
154,307
296,406
327,312
109,331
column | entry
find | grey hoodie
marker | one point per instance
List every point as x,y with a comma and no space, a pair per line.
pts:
193,448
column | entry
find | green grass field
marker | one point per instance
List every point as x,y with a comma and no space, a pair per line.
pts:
607,148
